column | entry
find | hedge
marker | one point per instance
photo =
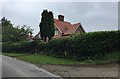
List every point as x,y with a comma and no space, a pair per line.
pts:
60,47
26,46
41,47
80,47
95,44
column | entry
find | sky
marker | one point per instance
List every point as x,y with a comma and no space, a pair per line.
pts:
94,15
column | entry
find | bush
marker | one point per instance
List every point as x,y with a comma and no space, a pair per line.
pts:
29,47
95,44
41,47
59,47
26,46
15,47
79,47
6,47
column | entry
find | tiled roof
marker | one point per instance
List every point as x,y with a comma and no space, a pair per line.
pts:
66,27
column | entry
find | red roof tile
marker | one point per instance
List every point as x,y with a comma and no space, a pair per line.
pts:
66,27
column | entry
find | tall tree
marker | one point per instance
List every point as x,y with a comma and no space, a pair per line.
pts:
51,25
47,25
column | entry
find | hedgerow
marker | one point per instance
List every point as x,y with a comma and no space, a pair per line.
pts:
79,47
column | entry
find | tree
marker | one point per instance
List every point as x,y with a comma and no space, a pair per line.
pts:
25,31
13,34
51,25
47,25
43,25
7,30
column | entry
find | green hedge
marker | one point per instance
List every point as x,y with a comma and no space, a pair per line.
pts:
41,47
59,47
80,47
6,47
95,44
26,46
29,47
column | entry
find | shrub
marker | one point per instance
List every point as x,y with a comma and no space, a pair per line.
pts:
79,47
15,47
11,47
41,47
95,44
6,47
59,47
28,46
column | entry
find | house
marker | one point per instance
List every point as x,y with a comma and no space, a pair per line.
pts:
63,28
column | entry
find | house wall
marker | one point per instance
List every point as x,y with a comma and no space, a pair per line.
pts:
59,33
79,30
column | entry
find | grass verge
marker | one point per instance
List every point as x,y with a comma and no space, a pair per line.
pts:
43,59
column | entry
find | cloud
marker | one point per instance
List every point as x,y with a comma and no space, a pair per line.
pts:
59,0
94,16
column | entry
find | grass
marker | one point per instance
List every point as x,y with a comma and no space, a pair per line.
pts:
43,59
40,59
13,54
108,58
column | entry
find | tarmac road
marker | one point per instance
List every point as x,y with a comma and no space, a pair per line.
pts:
16,68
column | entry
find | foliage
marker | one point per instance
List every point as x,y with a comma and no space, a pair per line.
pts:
6,47
95,44
13,34
51,25
30,47
60,47
47,25
81,47
41,47
24,32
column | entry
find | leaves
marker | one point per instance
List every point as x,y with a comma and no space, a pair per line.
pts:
47,25
14,34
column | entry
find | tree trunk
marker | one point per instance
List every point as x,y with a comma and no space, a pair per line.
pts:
42,38
45,38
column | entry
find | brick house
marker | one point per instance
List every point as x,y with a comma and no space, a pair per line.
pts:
63,28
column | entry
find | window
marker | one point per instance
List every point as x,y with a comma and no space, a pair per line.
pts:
56,32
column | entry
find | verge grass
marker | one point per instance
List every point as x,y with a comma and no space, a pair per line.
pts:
43,59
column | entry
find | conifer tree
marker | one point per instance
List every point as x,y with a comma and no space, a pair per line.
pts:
47,25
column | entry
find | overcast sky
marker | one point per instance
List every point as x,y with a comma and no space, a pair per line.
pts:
94,16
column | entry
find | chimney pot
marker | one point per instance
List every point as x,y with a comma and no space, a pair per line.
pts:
61,17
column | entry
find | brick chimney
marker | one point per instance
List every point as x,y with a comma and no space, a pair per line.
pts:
61,17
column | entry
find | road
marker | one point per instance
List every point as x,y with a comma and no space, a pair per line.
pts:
16,68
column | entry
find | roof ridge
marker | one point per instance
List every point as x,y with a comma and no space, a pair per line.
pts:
76,23
63,21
